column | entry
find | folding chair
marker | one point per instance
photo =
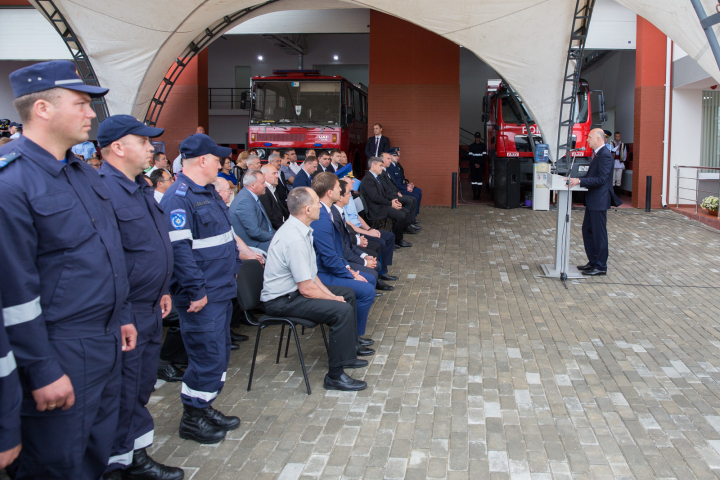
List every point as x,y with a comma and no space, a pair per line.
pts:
249,284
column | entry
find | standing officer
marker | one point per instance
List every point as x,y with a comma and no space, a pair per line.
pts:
10,397
478,154
203,284
127,150
63,280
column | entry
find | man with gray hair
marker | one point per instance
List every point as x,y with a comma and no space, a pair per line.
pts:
249,219
253,163
292,287
270,200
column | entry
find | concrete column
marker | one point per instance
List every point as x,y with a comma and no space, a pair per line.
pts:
187,105
414,93
649,112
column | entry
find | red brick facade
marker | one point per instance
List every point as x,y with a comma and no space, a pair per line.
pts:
414,93
186,106
649,112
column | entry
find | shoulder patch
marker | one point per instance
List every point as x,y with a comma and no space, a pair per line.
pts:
178,218
8,158
182,189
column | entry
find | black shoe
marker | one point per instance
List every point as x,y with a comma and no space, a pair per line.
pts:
365,342
225,422
380,285
585,267
378,294
412,231
194,426
170,373
595,272
237,337
234,346
365,352
145,468
403,243
114,475
357,364
345,383
417,220
387,277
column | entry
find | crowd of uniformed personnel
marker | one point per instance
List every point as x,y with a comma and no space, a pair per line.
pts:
95,257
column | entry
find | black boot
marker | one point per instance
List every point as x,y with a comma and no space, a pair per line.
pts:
225,422
145,468
170,373
194,426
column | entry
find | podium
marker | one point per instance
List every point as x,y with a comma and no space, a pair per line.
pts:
562,234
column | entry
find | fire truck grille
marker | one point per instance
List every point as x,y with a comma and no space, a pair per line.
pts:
522,144
280,137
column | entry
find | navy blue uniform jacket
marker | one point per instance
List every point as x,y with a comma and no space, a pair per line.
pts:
329,247
62,266
145,239
598,181
302,179
204,249
10,394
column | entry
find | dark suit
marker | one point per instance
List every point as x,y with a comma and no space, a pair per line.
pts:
274,209
351,251
371,147
282,190
329,168
302,179
380,207
598,199
409,203
250,220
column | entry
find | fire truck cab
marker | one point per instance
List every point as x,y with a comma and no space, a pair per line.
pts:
303,109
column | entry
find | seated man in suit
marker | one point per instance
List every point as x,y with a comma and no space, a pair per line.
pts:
274,208
356,249
598,199
333,268
249,219
397,173
304,176
377,144
379,204
281,189
408,203
325,162
382,238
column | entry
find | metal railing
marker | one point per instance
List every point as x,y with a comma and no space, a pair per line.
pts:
696,179
229,98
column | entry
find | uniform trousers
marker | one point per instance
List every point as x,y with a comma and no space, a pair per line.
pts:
476,175
594,232
417,195
139,374
206,335
74,443
386,240
364,294
338,316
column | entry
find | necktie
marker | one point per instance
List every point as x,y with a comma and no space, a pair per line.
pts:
377,145
264,213
592,157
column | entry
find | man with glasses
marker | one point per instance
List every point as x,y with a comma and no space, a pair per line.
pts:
161,181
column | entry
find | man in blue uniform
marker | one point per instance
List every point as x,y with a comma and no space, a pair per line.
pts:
477,152
10,397
397,173
127,151
63,280
203,284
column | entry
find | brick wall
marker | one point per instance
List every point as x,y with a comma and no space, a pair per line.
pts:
187,105
414,93
649,112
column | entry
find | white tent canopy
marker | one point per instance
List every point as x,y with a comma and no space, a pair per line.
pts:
132,44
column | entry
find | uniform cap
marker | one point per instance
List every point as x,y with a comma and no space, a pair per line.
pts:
478,135
394,151
117,126
46,75
15,124
200,144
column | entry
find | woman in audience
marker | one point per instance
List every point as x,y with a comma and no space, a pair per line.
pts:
225,172
240,167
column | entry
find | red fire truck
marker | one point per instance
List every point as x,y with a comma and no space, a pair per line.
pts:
507,136
303,109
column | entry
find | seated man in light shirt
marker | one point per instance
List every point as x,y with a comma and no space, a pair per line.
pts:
359,226
291,287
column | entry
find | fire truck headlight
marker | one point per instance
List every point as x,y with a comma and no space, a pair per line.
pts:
334,137
252,137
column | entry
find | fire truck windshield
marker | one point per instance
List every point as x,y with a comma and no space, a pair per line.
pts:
511,114
581,107
296,102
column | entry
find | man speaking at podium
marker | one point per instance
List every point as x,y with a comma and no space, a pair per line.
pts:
598,199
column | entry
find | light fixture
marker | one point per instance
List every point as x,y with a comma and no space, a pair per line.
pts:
260,57
335,57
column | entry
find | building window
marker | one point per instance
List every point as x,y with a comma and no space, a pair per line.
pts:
710,136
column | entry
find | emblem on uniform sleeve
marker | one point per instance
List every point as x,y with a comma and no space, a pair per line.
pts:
178,219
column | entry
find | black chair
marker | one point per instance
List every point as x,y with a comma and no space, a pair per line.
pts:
376,223
249,285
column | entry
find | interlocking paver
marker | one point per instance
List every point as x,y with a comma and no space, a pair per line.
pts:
484,369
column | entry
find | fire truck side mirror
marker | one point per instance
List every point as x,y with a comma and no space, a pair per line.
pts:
244,101
485,108
485,117
602,114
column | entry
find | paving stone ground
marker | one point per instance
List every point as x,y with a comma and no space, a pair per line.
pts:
485,370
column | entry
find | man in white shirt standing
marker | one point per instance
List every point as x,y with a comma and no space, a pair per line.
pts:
619,152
